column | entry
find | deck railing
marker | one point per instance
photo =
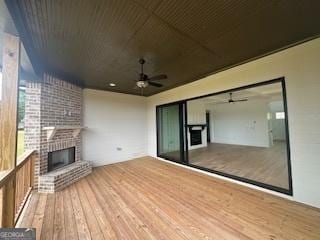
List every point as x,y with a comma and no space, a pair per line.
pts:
15,188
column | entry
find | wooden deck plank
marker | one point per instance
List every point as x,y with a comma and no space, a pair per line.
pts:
133,226
196,224
92,222
69,219
39,214
110,212
59,229
103,221
48,227
155,219
27,217
151,199
192,197
81,221
238,206
148,213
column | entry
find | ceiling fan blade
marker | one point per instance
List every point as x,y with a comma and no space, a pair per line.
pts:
158,77
241,100
219,103
155,84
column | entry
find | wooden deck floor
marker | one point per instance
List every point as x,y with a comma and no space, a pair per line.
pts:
151,199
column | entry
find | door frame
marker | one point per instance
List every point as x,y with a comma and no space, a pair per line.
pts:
208,122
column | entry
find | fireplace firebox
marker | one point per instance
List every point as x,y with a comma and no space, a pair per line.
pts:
196,137
60,158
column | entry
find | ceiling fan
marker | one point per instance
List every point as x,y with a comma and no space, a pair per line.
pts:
145,80
231,100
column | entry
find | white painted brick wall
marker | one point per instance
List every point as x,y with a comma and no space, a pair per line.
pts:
117,127
300,66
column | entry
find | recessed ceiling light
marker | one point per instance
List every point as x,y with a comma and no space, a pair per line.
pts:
112,84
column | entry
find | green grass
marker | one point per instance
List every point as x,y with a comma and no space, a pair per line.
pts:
20,145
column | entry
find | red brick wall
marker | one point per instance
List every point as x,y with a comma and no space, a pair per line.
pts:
53,102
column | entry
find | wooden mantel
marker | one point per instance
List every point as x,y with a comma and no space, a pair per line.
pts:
51,130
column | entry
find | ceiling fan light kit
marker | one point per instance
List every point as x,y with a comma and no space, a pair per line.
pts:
144,80
142,84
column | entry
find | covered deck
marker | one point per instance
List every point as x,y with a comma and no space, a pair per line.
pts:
151,199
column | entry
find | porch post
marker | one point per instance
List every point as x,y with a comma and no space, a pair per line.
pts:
8,122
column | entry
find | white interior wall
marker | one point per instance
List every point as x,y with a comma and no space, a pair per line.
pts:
116,127
197,115
300,67
242,123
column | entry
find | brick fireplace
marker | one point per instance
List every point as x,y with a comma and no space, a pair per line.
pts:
61,158
53,122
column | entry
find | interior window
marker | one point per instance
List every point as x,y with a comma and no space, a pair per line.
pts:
280,115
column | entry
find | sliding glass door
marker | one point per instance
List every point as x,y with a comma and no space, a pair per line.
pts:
239,133
171,132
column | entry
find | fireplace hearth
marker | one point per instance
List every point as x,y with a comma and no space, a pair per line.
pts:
60,158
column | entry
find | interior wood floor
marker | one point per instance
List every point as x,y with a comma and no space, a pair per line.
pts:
152,199
266,165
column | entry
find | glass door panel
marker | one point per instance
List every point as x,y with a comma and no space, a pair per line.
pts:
170,132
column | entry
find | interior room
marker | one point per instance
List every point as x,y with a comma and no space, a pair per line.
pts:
159,119
244,134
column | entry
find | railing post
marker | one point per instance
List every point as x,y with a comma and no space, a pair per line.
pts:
8,203
32,170
8,122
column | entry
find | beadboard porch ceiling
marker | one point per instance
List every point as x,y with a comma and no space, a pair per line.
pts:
94,43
